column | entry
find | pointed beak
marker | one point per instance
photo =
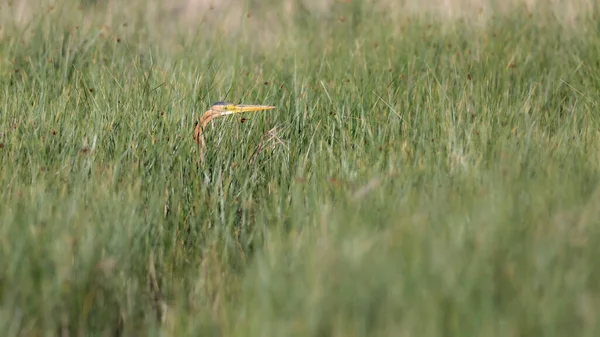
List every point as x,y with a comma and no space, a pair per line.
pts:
248,108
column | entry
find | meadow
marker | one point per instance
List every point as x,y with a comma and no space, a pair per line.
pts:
430,169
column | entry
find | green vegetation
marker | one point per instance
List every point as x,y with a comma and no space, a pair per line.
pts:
422,175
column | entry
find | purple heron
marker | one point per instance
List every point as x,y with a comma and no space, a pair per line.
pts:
217,110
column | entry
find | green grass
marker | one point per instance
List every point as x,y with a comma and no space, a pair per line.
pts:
426,177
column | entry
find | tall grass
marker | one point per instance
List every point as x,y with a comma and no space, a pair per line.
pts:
421,175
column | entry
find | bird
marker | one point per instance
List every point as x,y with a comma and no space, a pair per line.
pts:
220,109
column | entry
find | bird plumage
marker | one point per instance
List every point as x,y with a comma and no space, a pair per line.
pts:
219,109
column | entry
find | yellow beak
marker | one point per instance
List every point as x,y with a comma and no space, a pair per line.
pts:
246,108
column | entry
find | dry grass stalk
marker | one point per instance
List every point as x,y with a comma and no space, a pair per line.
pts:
158,303
270,137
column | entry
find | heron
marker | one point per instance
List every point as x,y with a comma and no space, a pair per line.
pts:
220,109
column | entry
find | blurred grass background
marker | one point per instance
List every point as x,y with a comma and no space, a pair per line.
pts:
431,168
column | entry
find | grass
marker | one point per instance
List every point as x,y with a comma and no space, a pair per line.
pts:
419,177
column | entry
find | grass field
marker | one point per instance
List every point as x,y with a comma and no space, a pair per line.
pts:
424,174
